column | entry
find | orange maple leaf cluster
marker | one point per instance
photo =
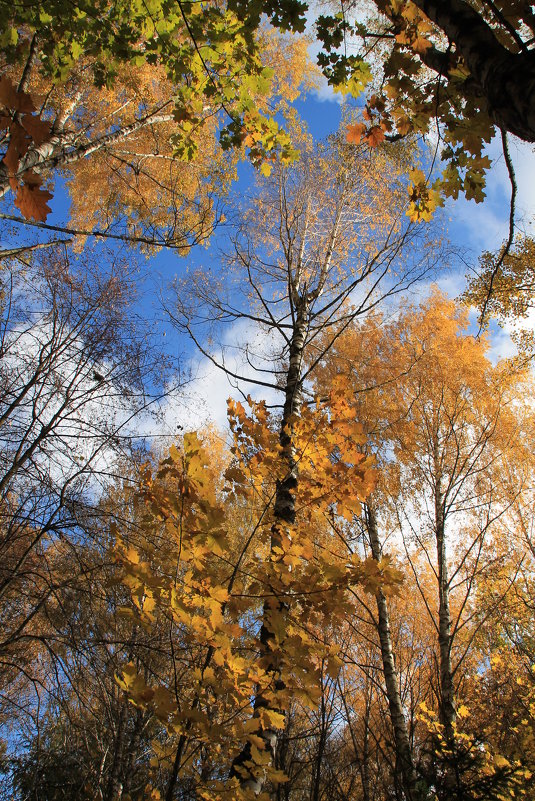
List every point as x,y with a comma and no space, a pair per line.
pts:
25,129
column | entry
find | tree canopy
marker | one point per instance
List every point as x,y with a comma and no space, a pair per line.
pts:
330,596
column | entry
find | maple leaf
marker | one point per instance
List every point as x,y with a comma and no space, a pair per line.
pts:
13,99
31,200
403,124
12,157
420,44
355,133
375,136
37,128
18,146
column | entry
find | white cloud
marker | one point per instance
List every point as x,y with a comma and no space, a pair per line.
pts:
326,94
204,399
523,156
484,226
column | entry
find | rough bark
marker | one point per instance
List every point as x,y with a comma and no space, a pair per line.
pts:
114,790
504,78
315,790
133,749
447,704
408,775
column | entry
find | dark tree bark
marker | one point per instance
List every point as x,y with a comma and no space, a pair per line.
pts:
447,703
409,778
284,515
504,78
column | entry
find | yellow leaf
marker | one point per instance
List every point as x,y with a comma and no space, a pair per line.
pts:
278,776
218,658
132,556
218,594
274,719
259,757
251,725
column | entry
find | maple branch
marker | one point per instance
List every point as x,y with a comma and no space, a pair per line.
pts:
437,60
504,78
502,19
203,62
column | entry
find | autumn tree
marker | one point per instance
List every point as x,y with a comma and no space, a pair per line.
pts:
318,235
481,57
502,288
113,147
227,75
464,66
216,583
74,363
137,170
445,424
81,737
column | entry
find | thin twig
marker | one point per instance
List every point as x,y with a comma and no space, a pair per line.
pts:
145,240
507,247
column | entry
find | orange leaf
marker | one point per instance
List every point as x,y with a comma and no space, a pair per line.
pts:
31,200
375,136
13,99
38,129
18,145
12,158
403,124
420,44
355,133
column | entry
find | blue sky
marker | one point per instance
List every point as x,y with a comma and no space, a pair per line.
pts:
472,228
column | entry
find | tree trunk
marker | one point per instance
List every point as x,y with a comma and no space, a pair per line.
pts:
405,762
447,704
114,790
504,78
315,791
284,516
447,712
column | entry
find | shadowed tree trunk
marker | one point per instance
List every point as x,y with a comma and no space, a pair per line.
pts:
404,757
505,79
284,515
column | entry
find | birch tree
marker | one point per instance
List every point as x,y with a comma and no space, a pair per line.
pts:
444,487
73,369
313,254
130,173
